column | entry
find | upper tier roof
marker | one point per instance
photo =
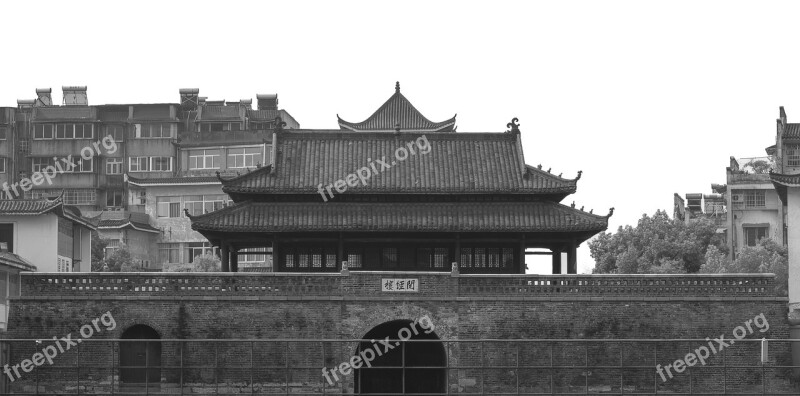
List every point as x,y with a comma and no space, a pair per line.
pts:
36,207
455,163
398,113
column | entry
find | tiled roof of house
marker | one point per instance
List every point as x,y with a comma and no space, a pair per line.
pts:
398,110
16,261
791,130
220,113
126,223
173,180
466,163
265,115
785,180
535,216
35,207
28,206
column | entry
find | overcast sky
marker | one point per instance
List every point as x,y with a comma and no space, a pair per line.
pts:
647,98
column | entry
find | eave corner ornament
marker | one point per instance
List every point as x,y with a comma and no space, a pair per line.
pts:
513,125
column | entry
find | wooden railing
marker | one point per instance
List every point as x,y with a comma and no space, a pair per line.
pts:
356,283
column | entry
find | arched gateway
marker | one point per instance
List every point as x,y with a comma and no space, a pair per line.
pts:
409,367
140,361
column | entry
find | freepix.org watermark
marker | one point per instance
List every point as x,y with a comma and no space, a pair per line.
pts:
714,346
61,345
63,165
363,174
382,347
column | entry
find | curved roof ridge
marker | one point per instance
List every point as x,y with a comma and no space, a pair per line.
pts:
398,112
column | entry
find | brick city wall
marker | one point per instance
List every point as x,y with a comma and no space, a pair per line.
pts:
346,307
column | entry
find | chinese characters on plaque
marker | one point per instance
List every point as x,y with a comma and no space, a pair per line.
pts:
400,285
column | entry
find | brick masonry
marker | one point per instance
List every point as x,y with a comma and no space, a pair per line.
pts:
356,305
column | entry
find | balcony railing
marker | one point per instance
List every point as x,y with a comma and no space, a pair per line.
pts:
369,283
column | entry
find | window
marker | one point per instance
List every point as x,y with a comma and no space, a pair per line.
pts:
3,133
161,164
81,165
113,245
169,253
194,249
43,131
117,132
2,165
204,159
246,157
64,264
793,155
7,236
255,256
261,125
200,204
487,257
80,197
39,164
113,198
113,166
754,199
753,234
84,131
65,131
168,206
138,164
220,126
311,258
154,131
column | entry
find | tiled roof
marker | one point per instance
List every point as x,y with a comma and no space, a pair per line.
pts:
70,113
265,115
35,207
126,223
220,113
536,216
785,180
457,163
173,180
28,206
791,130
15,261
398,110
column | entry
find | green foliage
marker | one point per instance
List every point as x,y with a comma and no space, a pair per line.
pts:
98,251
207,263
759,166
657,245
121,260
768,257
202,263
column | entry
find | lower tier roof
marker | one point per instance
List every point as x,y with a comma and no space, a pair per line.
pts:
277,217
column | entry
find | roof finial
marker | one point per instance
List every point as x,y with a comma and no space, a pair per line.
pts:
514,125
610,213
397,87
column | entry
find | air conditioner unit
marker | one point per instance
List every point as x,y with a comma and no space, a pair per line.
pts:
736,198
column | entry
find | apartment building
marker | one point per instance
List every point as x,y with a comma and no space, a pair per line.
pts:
118,162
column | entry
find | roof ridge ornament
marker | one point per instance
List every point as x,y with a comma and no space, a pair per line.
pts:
513,125
610,213
580,172
279,123
397,87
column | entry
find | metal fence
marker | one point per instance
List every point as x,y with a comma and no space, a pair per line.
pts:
407,366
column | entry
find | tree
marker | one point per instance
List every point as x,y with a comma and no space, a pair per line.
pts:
121,260
207,263
657,244
766,257
98,251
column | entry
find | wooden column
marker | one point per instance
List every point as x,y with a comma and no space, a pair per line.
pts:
572,259
224,253
340,255
521,268
234,260
457,253
556,261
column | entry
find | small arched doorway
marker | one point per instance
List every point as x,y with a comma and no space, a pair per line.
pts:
403,376
140,360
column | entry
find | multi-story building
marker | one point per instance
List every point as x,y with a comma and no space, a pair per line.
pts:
90,149
746,209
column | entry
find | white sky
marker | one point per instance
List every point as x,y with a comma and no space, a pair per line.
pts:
647,98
